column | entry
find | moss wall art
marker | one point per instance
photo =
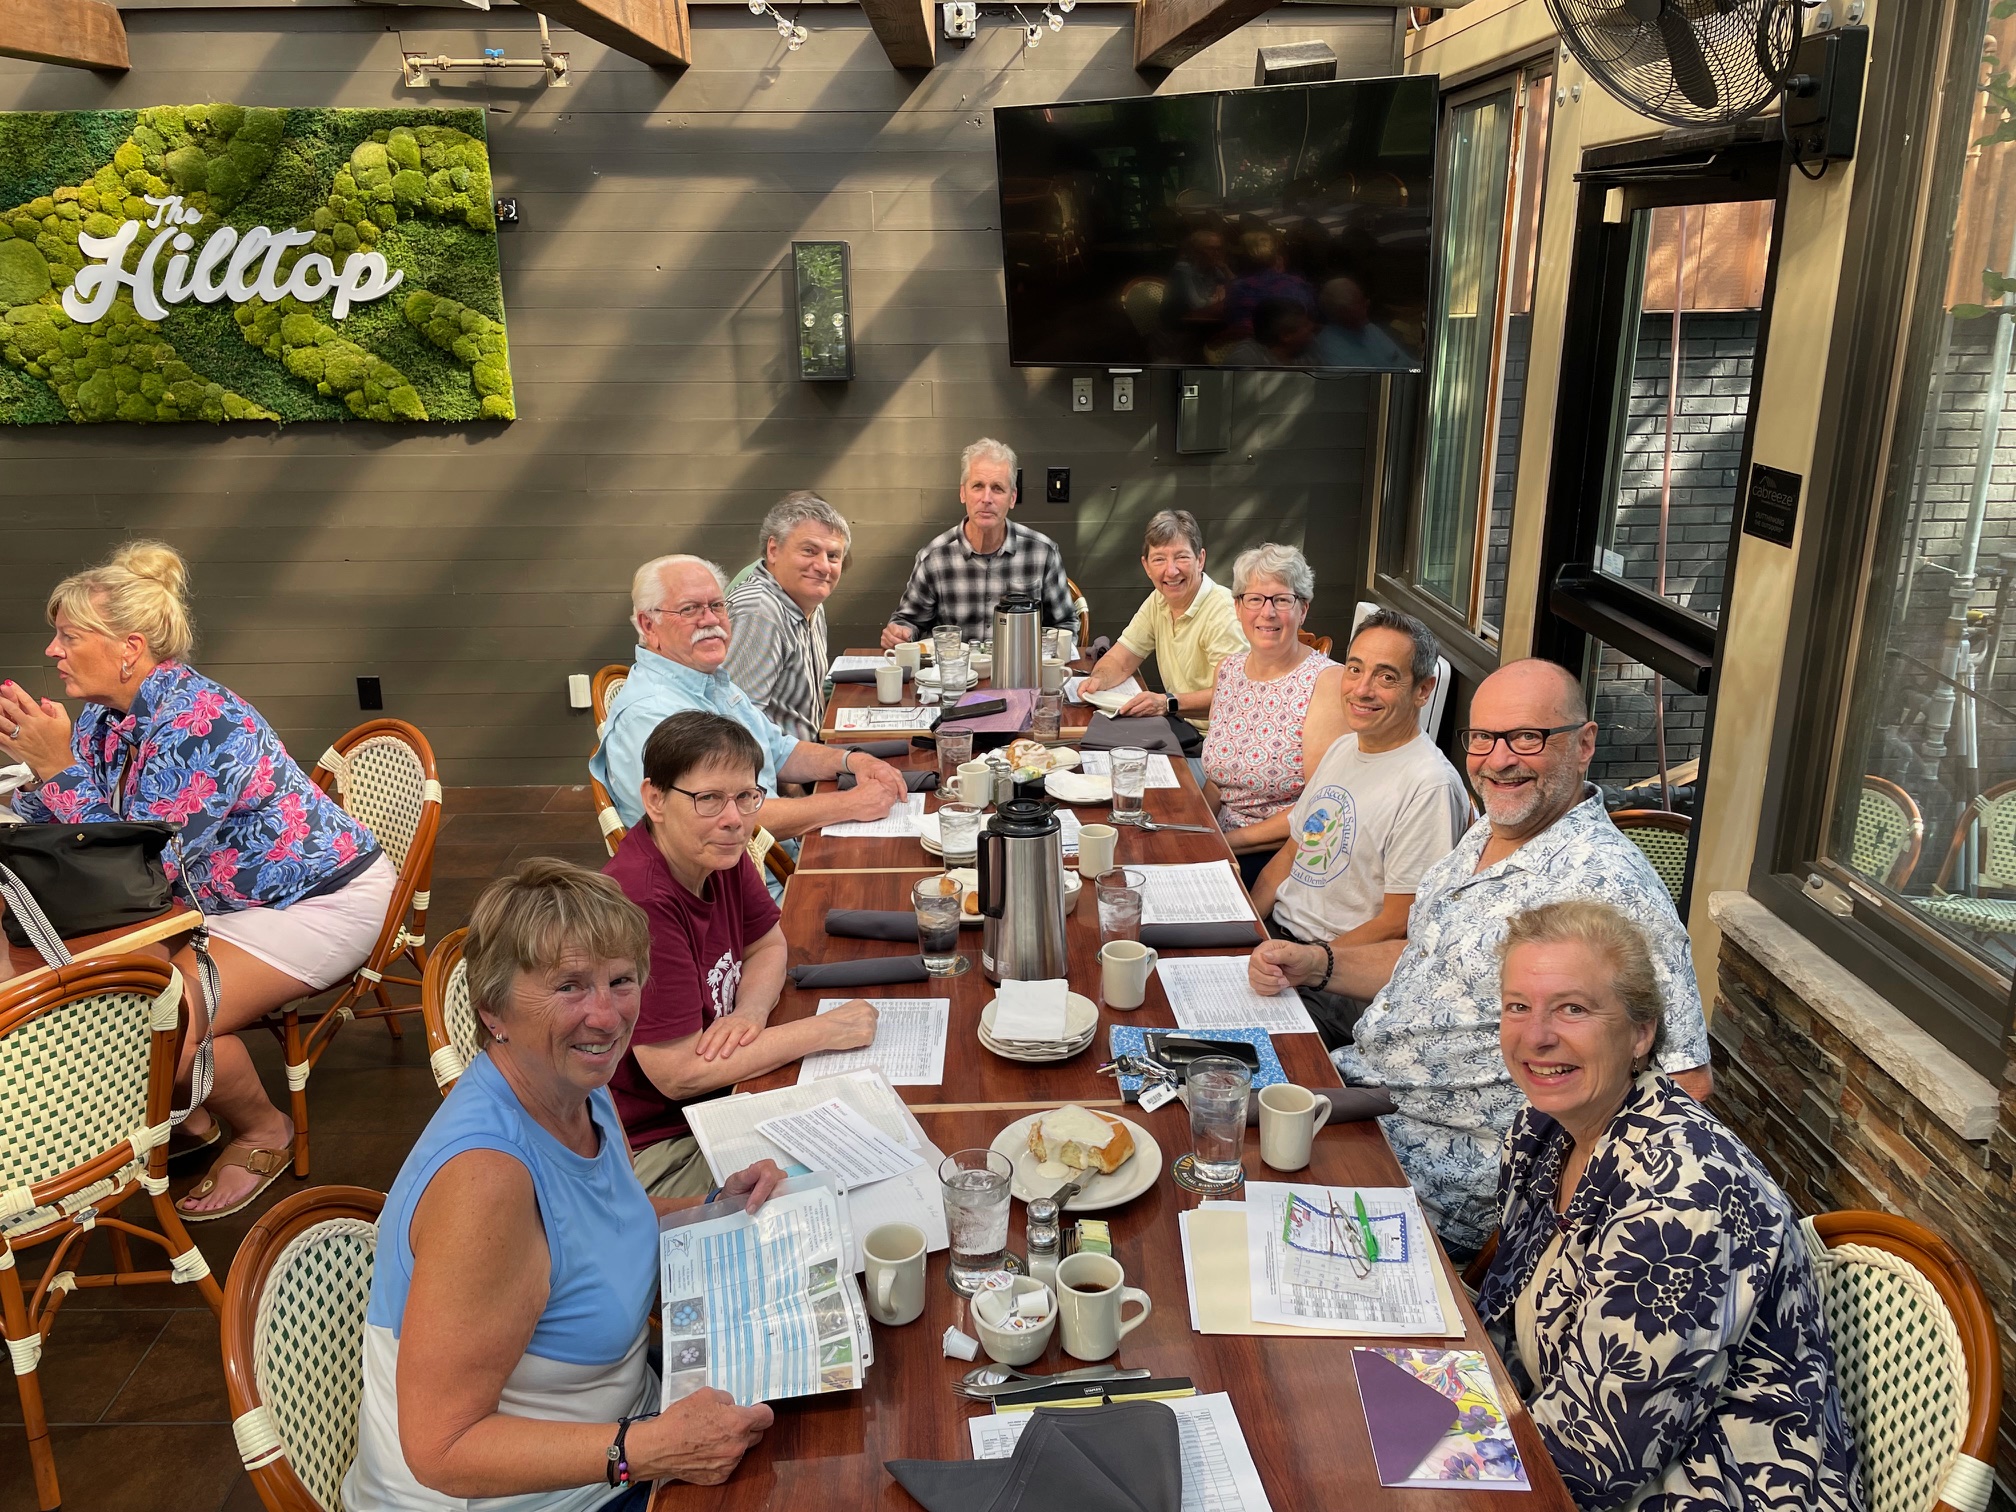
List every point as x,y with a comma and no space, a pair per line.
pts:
213,262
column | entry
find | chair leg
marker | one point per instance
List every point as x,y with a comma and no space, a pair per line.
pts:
179,1245
20,1334
298,1067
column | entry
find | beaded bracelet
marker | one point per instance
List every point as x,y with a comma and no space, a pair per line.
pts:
1329,965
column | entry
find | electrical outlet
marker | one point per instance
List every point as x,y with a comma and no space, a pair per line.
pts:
962,20
1123,394
370,695
1057,485
1081,396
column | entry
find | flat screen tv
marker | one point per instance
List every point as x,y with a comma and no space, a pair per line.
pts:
1277,227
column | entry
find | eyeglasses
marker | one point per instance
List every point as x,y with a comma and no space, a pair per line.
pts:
1281,603
709,805
1527,742
691,612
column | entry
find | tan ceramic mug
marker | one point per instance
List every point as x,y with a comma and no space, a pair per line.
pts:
1289,1118
1090,1295
909,656
1053,675
1124,969
976,783
894,1274
1095,849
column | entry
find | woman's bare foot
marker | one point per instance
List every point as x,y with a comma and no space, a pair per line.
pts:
232,1183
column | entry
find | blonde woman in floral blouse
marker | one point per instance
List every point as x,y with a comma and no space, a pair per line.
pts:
1651,1292
1275,708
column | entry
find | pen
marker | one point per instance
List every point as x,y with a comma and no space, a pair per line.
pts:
1365,1227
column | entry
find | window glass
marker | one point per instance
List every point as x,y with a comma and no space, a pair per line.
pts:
1923,800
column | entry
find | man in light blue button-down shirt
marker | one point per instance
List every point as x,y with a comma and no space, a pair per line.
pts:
680,611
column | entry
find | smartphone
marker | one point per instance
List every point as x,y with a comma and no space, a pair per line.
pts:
977,710
1176,1051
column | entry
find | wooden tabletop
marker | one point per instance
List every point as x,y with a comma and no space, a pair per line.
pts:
150,938
1296,1399
861,695
974,1074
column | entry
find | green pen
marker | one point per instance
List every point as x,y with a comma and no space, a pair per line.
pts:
1365,1227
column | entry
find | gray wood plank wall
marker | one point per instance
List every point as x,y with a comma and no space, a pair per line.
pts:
473,567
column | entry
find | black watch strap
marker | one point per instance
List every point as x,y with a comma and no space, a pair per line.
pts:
1173,709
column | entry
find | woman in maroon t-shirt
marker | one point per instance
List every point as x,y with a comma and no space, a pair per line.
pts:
717,950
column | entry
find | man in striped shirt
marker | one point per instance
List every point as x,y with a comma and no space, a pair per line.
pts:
778,652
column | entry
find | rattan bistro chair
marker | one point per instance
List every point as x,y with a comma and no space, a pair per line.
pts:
87,1081
1889,833
1663,837
1986,902
383,774
447,1012
1320,644
1082,607
293,1343
1918,1359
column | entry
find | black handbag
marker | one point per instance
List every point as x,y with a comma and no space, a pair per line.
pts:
86,877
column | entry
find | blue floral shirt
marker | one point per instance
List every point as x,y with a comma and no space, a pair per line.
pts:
1683,1358
256,833
1431,1035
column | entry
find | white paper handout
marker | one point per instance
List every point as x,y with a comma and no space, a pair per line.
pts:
883,717
832,1138
857,664
908,1048
1074,689
1214,992
1202,892
1218,1470
1161,774
1309,1261
899,823
1034,1011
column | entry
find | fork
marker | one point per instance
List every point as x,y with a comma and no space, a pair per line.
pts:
1194,829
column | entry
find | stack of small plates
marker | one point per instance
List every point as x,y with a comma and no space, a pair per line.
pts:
1081,1018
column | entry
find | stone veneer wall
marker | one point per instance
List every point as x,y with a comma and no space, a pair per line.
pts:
1802,1085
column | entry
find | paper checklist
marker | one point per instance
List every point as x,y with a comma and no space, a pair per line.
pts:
1214,992
908,1048
832,1138
899,823
1204,892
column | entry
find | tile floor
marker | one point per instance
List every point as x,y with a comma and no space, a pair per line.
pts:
133,1380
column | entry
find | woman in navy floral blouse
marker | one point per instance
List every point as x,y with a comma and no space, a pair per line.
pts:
1651,1293
295,891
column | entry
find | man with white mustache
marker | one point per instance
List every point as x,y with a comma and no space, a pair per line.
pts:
680,611
1430,1036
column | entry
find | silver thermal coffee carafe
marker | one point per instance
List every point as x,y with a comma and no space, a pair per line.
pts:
1021,857
1018,642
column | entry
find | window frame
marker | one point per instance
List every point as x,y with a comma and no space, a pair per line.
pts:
1394,554
1921,78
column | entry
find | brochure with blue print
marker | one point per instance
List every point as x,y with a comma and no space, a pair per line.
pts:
763,1305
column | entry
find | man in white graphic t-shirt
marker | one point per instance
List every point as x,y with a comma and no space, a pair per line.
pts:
1382,806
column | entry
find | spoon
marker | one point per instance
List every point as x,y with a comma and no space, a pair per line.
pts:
1193,829
998,1375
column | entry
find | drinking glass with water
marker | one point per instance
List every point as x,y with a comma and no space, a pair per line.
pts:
1119,894
1129,766
938,901
958,831
1047,722
955,749
1217,1088
975,1184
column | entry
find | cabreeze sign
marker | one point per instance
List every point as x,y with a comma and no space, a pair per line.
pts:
224,269
220,263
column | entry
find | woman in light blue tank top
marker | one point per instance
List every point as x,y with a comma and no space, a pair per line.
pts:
517,1254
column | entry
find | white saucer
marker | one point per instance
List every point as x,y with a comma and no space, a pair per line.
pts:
1081,1023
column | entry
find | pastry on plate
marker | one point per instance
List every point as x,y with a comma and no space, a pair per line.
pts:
1080,1139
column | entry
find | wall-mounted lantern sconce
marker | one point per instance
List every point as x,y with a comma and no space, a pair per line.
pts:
825,316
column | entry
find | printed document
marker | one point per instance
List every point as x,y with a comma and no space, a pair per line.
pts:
908,1048
1341,1255
1218,1470
899,823
884,717
833,1139
857,664
1204,892
1213,992
762,1305
1100,764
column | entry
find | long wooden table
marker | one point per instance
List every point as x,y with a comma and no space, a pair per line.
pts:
1297,1399
861,695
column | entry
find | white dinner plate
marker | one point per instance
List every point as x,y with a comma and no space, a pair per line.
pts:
1106,701
969,879
1078,787
1136,1175
1081,1022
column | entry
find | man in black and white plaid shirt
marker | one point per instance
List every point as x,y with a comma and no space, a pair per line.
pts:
960,575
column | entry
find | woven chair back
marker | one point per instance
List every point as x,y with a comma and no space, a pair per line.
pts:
77,1054
1889,832
447,1012
383,783
1998,839
1914,1352
1663,837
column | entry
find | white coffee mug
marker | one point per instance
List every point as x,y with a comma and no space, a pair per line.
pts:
1090,1294
1095,848
976,783
1124,966
1053,675
1289,1118
894,1275
909,655
889,683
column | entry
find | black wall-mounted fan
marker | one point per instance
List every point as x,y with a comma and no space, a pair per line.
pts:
1685,62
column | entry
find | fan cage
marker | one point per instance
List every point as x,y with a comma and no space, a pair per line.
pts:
1684,62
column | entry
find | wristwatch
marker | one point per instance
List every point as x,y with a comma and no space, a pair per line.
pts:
1172,704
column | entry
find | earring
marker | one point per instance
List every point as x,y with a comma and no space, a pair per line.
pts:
125,670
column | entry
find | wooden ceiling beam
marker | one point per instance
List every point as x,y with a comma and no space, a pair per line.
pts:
1167,32
72,33
652,31
904,29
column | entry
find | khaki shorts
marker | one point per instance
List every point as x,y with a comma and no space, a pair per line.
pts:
673,1168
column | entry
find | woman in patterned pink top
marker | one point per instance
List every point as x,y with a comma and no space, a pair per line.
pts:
1275,710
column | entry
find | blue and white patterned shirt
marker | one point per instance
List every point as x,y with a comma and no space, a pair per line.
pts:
1681,1356
1431,1035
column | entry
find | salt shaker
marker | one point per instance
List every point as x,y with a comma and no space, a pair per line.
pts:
1043,1241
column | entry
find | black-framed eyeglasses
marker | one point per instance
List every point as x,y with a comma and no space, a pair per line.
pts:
1281,603
709,805
1527,742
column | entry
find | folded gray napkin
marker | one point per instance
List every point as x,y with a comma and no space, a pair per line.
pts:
1198,936
916,782
899,924
1151,733
874,972
1351,1104
874,747
862,674
1124,1458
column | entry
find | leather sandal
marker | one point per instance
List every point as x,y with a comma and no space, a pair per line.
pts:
182,1145
268,1165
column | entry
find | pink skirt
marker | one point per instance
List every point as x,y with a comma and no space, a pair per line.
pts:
321,940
